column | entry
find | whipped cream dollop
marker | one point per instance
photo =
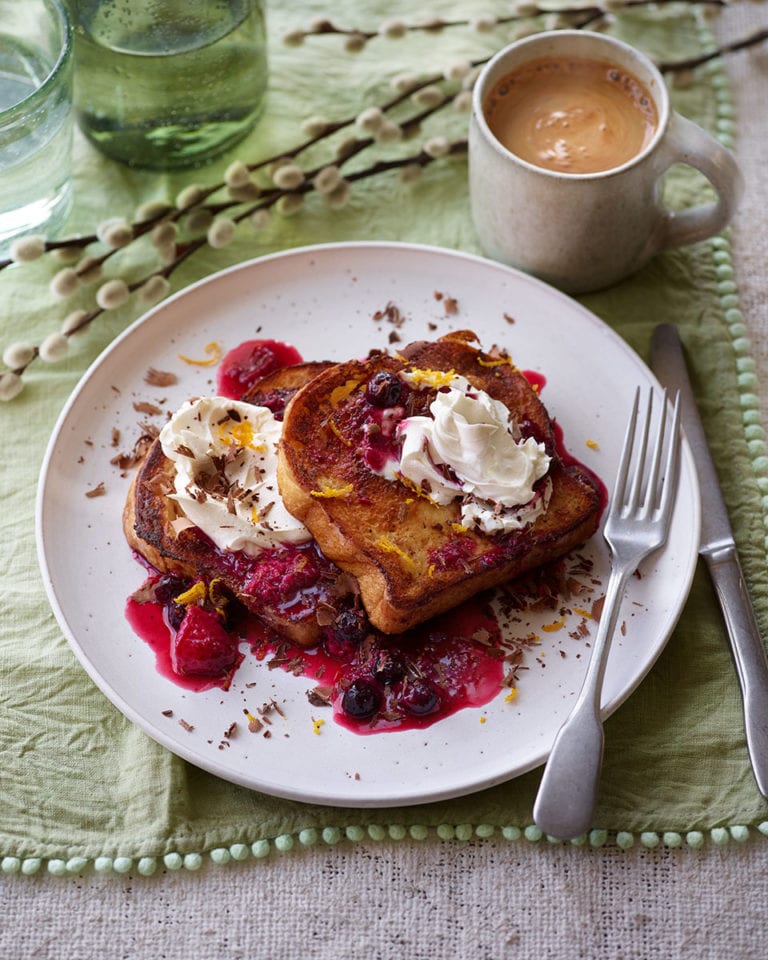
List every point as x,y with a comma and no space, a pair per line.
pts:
225,455
491,466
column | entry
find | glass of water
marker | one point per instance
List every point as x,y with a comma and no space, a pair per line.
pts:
35,118
166,84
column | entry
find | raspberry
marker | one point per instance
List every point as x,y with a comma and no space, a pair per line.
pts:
202,647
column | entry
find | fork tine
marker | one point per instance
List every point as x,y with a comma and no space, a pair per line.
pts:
673,456
637,481
620,486
653,476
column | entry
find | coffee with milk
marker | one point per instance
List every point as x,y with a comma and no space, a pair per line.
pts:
572,114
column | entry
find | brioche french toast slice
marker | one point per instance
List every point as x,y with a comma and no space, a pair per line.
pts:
412,556
275,389
287,588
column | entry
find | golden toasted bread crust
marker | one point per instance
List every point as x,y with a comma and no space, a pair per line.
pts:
155,529
412,558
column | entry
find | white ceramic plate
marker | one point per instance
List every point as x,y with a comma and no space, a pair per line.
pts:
323,300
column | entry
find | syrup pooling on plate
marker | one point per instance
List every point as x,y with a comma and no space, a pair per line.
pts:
251,360
200,632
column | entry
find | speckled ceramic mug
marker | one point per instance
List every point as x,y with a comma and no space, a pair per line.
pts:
585,231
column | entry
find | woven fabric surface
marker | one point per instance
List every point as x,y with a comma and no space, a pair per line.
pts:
80,782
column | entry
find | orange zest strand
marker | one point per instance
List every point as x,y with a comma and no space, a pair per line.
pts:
212,349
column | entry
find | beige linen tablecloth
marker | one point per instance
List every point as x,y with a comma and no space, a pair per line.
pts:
423,901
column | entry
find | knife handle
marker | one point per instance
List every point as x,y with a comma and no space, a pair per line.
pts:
748,654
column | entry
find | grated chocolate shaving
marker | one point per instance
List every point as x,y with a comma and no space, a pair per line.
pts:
451,306
126,461
320,696
143,406
160,378
390,313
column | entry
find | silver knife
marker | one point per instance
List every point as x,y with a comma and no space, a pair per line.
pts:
718,549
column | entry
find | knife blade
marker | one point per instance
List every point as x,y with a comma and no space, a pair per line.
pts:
718,549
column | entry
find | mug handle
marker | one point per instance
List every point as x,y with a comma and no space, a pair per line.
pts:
688,143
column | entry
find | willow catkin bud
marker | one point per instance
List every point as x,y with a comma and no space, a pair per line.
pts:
237,174
154,289
115,233
404,82
198,220
18,354
190,196
11,385
293,38
65,283
462,102
290,204
430,96
113,294
411,173
437,147
393,29
164,233
54,347
457,70
327,179
315,126
247,192
370,119
73,322
151,210
221,232
388,132
355,42
338,197
288,177
484,23
90,269
68,254
26,249
260,219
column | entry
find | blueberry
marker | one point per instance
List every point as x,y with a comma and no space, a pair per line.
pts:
420,697
351,626
170,586
387,667
384,389
361,699
175,614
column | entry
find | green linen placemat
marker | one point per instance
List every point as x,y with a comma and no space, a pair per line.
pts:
81,784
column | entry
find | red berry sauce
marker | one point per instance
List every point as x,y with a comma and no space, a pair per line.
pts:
411,680
249,362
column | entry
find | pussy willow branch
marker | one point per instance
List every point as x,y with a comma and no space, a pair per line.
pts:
173,215
269,198
753,39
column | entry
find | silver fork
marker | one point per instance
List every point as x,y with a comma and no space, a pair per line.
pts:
637,524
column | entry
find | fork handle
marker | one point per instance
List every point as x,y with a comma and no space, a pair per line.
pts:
567,794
